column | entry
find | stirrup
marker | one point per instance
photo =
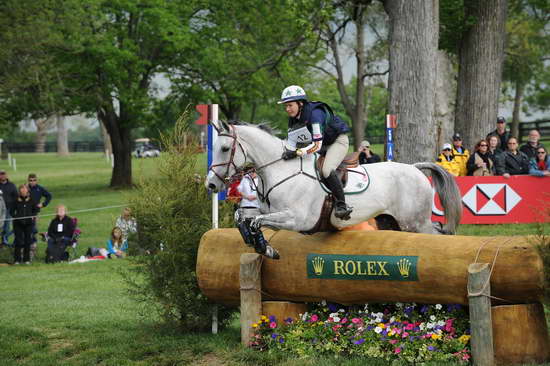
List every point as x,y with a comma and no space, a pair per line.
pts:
270,252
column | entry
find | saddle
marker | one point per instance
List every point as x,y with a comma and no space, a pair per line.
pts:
350,161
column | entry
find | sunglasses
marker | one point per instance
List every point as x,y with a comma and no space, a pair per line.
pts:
446,149
483,145
32,180
541,152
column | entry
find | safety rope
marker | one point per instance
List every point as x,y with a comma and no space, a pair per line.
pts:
76,211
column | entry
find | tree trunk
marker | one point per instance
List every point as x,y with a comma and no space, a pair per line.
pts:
520,87
42,125
62,136
413,46
445,98
480,69
360,56
121,144
107,147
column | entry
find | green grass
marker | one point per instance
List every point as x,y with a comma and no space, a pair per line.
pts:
81,314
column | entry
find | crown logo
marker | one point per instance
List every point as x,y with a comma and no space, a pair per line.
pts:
404,266
318,264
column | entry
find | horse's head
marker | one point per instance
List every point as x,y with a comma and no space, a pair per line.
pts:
228,155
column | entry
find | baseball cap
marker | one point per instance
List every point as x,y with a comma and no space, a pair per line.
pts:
447,146
457,136
365,143
2,171
501,119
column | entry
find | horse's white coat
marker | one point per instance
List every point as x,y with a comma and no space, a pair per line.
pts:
396,189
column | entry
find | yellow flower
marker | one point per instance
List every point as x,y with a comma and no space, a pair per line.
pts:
263,317
390,333
436,336
381,325
464,338
254,325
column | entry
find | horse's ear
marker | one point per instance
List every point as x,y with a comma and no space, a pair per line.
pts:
217,126
225,125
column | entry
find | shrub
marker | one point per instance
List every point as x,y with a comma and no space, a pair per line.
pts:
173,211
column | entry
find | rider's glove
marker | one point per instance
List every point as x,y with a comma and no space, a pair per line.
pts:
288,154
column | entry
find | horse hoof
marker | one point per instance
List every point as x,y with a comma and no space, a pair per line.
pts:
271,252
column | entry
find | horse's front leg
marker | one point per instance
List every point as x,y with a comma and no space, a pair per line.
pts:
276,220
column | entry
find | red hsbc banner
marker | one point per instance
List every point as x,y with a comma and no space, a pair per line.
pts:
497,200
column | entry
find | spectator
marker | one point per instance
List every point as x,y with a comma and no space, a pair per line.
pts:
366,156
22,212
540,166
532,145
9,192
501,133
233,194
512,161
37,193
494,147
117,246
60,231
480,163
126,223
447,160
461,155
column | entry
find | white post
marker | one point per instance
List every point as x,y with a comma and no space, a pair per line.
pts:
14,165
112,161
215,222
107,155
9,159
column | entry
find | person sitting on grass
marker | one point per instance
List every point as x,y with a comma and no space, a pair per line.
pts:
117,246
126,223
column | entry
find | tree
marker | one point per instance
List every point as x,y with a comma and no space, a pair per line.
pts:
413,46
238,61
62,136
357,15
481,54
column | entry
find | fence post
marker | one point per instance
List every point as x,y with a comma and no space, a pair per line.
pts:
9,159
14,165
250,278
479,288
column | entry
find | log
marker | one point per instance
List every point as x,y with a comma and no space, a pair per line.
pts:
480,314
437,265
283,310
520,334
251,295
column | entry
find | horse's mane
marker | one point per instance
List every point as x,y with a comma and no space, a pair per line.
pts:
264,126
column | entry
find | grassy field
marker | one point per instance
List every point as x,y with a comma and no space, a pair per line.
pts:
81,314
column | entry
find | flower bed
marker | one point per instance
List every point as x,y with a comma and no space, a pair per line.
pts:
405,332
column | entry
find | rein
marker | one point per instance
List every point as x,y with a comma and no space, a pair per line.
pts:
230,163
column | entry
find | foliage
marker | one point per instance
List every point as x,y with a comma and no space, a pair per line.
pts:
173,212
454,21
402,332
542,242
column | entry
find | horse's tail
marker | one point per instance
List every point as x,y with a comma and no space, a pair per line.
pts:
449,195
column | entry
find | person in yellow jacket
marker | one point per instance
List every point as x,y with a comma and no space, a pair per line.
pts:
447,160
461,155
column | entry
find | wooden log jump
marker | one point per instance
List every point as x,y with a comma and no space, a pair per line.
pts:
353,267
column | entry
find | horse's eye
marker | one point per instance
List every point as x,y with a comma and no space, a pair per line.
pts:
225,149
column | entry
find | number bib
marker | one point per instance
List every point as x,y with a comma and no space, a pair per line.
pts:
299,137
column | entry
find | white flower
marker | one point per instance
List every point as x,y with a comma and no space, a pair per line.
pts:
441,323
324,302
392,319
422,326
332,315
432,318
341,311
399,305
304,316
378,330
438,306
336,319
430,325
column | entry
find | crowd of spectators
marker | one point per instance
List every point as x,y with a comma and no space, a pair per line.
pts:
19,208
498,154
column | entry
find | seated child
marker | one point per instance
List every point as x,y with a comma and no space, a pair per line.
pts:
117,246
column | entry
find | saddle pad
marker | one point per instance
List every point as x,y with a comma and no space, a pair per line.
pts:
358,180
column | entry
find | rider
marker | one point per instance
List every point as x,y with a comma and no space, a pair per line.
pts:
313,127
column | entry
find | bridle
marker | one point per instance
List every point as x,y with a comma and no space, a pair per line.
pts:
231,162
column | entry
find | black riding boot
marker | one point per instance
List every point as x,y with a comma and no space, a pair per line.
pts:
341,209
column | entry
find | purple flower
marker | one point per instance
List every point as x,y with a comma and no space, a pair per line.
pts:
370,327
424,309
272,318
359,341
408,310
281,340
332,307
412,338
288,320
274,335
431,348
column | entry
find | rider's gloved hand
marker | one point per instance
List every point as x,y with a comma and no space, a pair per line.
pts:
288,154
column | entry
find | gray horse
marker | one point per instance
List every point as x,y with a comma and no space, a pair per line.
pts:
399,195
